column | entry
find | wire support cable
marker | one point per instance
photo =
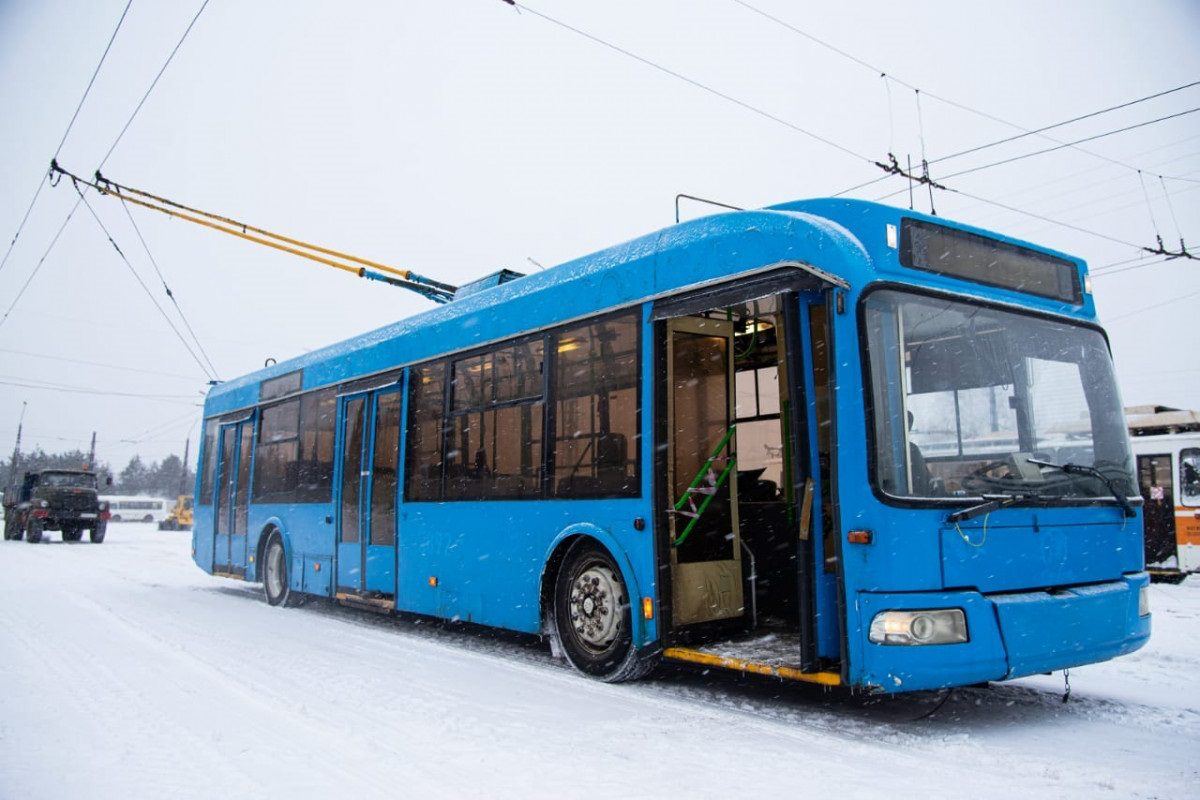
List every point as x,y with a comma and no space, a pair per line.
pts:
87,90
693,82
954,103
138,108
170,294
37,267
145,288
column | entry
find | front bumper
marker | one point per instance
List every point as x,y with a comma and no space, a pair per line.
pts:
1010,634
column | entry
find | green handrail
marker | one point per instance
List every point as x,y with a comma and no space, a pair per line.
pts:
704,470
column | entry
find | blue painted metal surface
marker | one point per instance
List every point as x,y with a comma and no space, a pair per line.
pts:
488,556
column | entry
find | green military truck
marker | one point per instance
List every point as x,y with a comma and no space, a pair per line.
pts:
55,499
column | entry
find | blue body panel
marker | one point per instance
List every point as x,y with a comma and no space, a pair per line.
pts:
488,556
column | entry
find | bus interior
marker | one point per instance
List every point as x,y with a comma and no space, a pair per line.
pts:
745,387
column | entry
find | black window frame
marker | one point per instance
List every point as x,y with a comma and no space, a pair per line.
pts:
547,399
907,224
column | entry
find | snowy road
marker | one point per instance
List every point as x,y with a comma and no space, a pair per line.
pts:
129,673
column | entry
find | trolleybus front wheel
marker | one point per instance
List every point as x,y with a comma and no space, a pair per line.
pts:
592,615
275,575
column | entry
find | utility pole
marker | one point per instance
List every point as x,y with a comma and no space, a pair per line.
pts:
12,465
91,462
184,467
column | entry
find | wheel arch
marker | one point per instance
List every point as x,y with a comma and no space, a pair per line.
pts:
553,560
272,525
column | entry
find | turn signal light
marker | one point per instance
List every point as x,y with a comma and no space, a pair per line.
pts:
433,581
647,608
859,537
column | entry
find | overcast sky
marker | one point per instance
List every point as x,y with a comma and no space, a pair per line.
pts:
458,137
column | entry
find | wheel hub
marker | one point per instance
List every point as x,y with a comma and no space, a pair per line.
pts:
595,606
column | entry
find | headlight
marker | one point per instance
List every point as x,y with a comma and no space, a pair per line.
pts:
928,626
1144,601
104,506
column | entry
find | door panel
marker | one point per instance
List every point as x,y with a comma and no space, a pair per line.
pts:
240,492
1158,515
706,571
226,457
381,516
349,549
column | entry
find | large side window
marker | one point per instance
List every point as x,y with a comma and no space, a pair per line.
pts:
276,460
209,468
596,409
314,467
426,404
495,427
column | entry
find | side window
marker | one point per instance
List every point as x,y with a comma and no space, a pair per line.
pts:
1189,476
314,467
596,409
495,427
276,461
279,387
426,404
209,467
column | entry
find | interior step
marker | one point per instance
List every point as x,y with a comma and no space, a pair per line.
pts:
774,654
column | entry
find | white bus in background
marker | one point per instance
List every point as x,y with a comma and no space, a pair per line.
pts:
137,508
1166,446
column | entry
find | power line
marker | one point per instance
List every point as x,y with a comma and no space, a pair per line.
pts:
1107,272
85,362
1152,306
1023,156
153,83
167,289
102,392
142,283
62,141
41,261
692,82
1070,121
878,70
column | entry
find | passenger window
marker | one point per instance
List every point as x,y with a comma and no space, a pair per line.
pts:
495,444
1189,476
426,404
209,468
596,409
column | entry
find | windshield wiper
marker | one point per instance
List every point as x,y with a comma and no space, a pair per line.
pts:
1080,469
991,502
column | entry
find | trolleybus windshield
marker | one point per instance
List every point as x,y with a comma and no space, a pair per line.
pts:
963,395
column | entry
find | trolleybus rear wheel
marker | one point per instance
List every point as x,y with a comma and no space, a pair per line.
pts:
592,615
275,575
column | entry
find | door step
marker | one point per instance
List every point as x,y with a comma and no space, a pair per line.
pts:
229,572
377,603
771,654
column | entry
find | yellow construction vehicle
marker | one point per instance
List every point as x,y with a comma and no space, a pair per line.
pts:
180,518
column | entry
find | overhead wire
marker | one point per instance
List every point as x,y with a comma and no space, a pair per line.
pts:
27,384
145,288
87,90
692,82
167,289
940,98
105,365
37,267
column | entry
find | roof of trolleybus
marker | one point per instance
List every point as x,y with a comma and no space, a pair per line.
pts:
849,243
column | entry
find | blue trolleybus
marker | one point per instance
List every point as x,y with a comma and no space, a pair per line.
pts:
831,441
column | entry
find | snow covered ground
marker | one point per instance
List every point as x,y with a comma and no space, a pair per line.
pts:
129,673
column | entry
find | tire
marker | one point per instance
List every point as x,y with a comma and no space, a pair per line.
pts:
96,534
148,518
115,518
276,585
593,618
72,533
33,530
11,529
